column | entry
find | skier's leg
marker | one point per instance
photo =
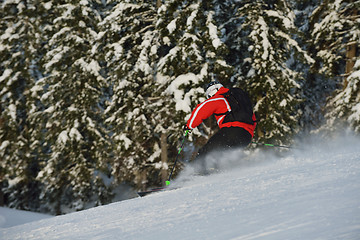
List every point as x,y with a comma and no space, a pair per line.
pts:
225,139
214,145
237,137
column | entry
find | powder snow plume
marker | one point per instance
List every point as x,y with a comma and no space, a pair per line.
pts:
312,147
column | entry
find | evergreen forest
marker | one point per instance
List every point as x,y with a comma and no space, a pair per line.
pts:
94,94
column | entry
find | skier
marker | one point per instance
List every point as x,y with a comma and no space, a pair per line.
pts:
233,112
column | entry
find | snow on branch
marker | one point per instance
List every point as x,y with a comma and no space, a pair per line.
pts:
213,31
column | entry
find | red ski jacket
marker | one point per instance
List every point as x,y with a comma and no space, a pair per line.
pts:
217,104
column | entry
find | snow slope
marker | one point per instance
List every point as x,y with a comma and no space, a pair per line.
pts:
306,194
11,217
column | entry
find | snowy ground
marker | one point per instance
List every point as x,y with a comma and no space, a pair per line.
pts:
307,194
10,217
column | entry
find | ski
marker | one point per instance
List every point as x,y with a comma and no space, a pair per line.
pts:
147,192
153,190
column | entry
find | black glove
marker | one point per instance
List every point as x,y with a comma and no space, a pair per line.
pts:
186,128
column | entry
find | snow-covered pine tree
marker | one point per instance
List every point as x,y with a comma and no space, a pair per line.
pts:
20,51
265,44
131,47
78,147
335,27
314,87
158,66
192,55
349,98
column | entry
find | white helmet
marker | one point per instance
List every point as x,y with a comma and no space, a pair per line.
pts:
212,88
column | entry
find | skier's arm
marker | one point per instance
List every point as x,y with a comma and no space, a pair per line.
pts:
200,113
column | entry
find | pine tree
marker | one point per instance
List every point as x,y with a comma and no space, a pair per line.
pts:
264,42
19,57
130,43
158,65
192,55
335,27
315,88
73,88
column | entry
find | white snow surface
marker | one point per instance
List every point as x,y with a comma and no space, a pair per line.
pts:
11,217
313,193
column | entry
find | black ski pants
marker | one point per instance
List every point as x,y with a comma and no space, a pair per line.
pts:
225,139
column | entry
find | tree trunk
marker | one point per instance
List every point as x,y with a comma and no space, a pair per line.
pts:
141,179
158,3
1,197
350,55
1,170
164,157
350,60
259,131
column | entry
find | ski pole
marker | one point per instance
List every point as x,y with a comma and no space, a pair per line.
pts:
177,156
272,145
